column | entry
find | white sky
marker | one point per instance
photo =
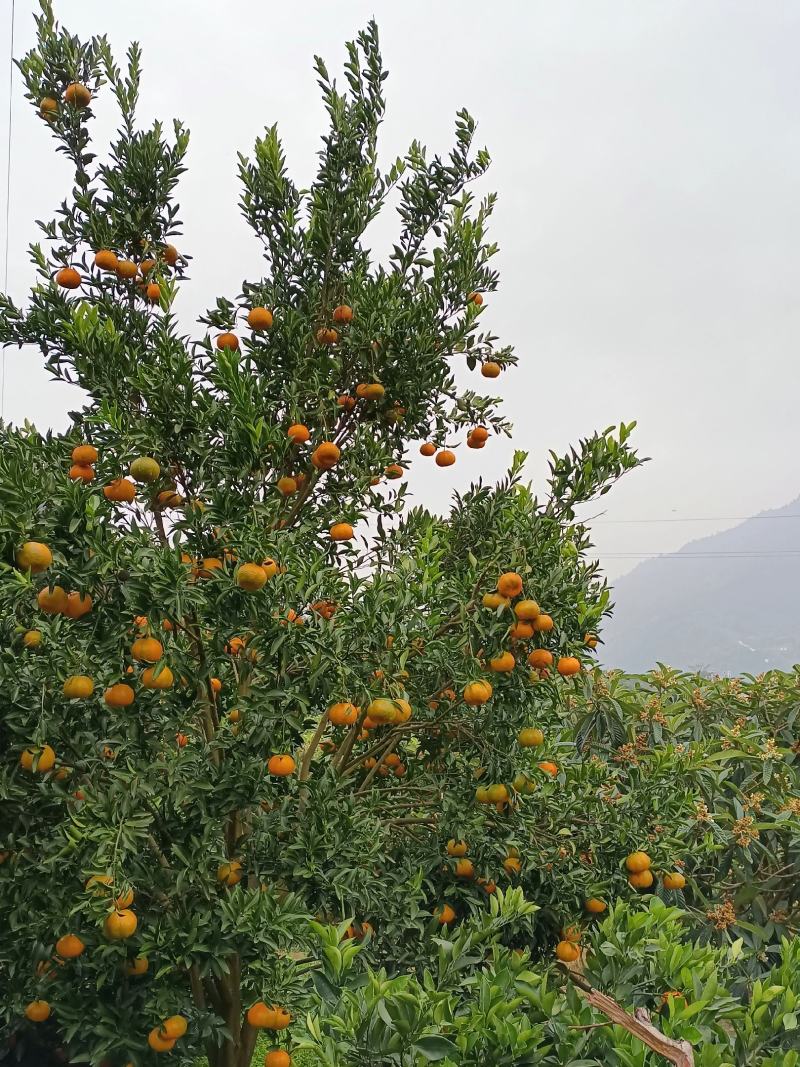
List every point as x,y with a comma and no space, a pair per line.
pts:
647,160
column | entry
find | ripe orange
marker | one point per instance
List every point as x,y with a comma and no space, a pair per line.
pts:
174,1027
474,442
147,265
78,687
119,695
77,95
48,108
503,663
281,766
105,259
382,710
259,318
347,403
590,640
572,933
171,255
158,1043
68,278
147,649
251,577
228,342
230,873
52,601
326,336
509,584
370,391
69,946
595,906
636,862
512,865
490,369
38,1011
78,605
46,759
549,767
641,880
84,454
444,915
277,1058
520,631
168,498
121,491
568,666
341,531
540,659
342,714
126,269
343,313
137,966
530,737
477,693
153,292
298,433
445,458
259,1016
33,556
120,924
163,680
325,456
475,298
498,794
674,881
32,638
216,685
427,449
394,470
567,952
465,868
527,610
493,601
543,624
81,472
145,469
457,848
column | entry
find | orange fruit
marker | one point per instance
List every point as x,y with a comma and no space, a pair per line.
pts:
81,472
281,1018
530,737
48,108
465,868
675,880
32,638
427,449
127,269
509,584
147,649
259,318
520,631
457,848
281,765
171,255
512,865
78,687
567,952
325,456
445,458
298,433
158,1043
503,663
543,623
69,946
145,469
394,470
84,454
477,693
68,278
228,342
479,434
251,577
230,873
636,862
490,369
77,95
567,666
475,298
341,531
497,794
370,391
326,336
259,1015
78,605
163,680
342,714
52,601
105,259
641,880
548,767
121,491
474,442
540,659
153,291
168,498
343,313
38,1011
216,685
493,601
137,966
120,924
527,610
347,403
46,759
277,1058
383,710
590,640
572,933
119,695
147,265
174,1027
34,556
444,915
595,906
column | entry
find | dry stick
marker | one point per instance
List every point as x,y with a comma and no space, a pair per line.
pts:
311,747
678,1052
393,743
346,747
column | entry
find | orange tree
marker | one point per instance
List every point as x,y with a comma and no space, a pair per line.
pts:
241,682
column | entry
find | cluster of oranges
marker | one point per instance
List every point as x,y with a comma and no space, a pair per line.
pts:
162,1038
640,875
126,270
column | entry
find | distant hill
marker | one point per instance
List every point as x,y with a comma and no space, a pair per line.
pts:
730,615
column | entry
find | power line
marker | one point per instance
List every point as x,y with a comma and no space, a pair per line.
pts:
8,198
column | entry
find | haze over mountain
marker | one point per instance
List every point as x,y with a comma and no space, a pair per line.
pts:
727,603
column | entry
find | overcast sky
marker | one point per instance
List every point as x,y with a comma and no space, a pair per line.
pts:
647,160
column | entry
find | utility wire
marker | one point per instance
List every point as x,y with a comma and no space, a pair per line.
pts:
8,198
